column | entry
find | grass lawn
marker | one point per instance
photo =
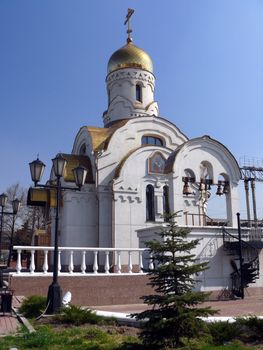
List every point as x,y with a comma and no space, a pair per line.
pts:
76,328
90,338
77,338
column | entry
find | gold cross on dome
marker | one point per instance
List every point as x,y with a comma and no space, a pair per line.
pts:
129,30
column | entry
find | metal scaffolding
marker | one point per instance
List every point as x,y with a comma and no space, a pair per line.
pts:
252,172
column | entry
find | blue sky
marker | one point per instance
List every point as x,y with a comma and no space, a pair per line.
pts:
208,62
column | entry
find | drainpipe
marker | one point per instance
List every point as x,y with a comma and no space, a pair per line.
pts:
113,223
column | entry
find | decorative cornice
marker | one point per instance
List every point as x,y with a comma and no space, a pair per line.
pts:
131,75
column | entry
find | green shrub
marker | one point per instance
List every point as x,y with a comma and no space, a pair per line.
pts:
223,332
235,345
194,343
75,315
42,338
33,306
251,328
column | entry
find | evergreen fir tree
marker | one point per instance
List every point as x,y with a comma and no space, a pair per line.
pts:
175,311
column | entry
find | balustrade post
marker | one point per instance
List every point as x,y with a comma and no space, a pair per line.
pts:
71,265
151,266
118,261
107,263
83,262
32,262
18,264
45,264
186,218
130,262
59,260
140,262
95,263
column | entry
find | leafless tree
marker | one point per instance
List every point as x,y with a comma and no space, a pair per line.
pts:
20,228
11,222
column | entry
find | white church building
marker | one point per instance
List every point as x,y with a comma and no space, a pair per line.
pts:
141,167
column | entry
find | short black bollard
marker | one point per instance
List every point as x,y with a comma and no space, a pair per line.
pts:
6,301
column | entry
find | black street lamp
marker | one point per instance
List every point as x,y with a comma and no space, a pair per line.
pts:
37,169
15,205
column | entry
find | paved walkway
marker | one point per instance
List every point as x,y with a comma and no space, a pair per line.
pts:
251,305
9,323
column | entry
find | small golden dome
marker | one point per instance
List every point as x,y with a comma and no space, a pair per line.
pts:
130,56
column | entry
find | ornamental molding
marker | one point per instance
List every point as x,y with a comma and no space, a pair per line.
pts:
131,75
124,194
128,190
127,198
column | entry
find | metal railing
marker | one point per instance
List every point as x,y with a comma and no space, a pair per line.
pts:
248,270
203,220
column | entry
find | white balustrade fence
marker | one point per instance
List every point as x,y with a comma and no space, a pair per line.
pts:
110,260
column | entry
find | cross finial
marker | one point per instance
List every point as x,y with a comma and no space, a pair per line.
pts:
129,30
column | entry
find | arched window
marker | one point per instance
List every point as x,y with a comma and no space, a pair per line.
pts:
166,208
109,97
152,140
206,170
82,150
189,173
138,93
150,212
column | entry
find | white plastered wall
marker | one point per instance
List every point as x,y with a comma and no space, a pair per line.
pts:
121,89
130,196
209,249
190,156
78,222
128,138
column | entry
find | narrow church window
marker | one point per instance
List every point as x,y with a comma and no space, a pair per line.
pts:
150,212
152,140
82,150
138,93
166,209
109,100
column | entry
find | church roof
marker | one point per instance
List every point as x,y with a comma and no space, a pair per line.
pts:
130,56
101,136
73,161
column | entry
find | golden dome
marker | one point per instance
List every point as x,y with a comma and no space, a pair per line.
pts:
130,56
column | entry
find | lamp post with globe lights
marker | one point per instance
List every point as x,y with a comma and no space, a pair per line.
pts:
37,169
15,205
